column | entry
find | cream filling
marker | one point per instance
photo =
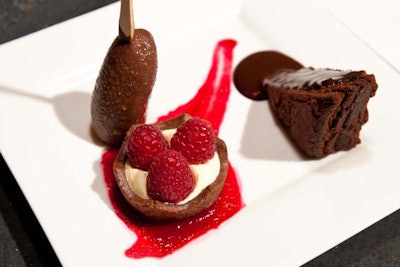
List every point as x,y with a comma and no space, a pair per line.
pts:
204,174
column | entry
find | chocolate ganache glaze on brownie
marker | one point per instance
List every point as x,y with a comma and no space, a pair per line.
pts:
322,110
302,77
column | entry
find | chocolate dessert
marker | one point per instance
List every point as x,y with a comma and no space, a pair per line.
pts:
322,110
250,73
125,81
161,210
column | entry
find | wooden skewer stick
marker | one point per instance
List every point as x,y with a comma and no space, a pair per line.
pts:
126,23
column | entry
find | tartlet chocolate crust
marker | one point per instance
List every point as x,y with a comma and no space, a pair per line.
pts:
159,210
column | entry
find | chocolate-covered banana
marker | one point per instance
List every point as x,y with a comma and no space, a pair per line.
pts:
125,81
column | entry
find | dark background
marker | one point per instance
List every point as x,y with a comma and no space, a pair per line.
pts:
22,241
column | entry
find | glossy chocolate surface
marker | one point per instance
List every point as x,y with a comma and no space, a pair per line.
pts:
250,73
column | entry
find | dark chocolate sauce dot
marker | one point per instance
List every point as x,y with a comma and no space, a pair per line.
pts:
251,71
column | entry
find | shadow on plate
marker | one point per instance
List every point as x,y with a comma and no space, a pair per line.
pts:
72,109
263,138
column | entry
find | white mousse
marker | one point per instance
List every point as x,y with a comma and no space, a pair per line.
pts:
204,174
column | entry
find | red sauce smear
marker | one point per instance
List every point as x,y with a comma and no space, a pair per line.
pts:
160,239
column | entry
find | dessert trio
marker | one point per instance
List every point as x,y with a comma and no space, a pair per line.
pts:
175,169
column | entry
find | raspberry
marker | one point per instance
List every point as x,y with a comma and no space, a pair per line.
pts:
195,139
145,142
170,178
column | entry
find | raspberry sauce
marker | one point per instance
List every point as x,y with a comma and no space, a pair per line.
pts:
160,239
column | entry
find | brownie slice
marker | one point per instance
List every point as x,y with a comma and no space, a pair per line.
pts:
321,109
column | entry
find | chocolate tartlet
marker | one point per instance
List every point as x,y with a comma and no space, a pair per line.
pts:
159,210
321,109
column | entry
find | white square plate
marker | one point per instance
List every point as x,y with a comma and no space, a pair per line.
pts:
295,209
378,25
